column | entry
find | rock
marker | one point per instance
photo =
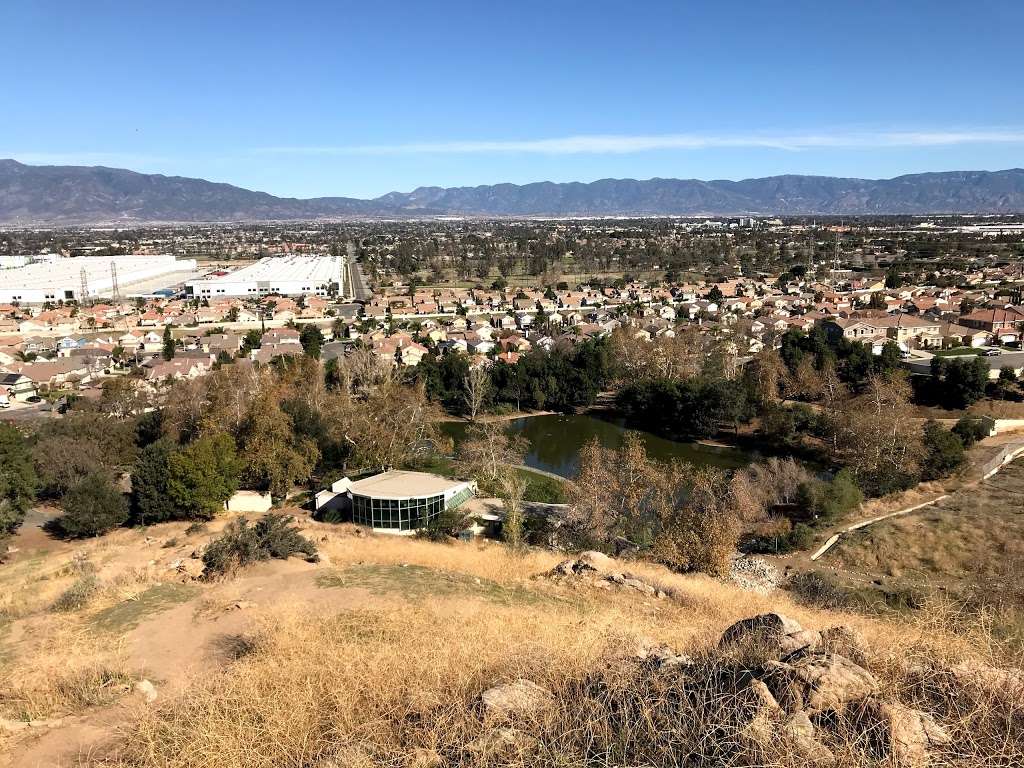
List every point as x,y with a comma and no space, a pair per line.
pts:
908,735
799,732
500,742
11,726
770,730
762,700
147,690
799,725
424,758
773,635
846,642
638,585
520,698
993,680
659,655
819,683
599,561
754,574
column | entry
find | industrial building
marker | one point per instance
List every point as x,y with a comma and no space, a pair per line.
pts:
65,279
283,275
395,501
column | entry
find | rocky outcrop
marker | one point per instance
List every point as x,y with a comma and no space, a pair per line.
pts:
770,635
801,701
596,569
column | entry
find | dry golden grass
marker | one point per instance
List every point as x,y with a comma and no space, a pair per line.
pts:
392,682
66,670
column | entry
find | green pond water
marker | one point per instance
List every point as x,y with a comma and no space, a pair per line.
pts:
555,442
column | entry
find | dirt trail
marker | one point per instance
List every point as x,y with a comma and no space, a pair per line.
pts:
178,644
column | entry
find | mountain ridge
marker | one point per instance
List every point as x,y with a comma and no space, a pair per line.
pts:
67,195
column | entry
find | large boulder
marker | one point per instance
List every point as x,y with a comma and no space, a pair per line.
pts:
598,561
908,735
772,636
819,683
518,699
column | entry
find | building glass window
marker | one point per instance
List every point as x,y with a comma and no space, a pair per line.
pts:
396,514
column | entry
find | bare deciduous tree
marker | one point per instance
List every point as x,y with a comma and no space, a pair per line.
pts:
477,384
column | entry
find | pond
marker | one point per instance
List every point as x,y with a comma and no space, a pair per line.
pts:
555,442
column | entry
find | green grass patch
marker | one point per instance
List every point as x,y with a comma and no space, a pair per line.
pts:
957,352
128,614
543,489
418,581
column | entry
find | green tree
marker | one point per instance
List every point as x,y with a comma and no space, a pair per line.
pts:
204,474
151,500
893,278
18,479
92,507
944,451
168,352
276,457
312,341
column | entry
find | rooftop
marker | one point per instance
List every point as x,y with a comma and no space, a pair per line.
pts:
402,484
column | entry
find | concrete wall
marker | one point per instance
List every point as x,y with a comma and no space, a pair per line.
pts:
249,501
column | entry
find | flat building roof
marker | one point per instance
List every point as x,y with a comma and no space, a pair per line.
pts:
403,484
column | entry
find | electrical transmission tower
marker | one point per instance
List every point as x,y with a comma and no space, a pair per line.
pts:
116,291
85,288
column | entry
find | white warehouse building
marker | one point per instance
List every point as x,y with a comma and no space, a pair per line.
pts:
284,275
61,278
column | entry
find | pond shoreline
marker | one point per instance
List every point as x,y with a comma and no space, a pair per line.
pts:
556,439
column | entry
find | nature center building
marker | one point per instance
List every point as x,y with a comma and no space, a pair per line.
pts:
396,501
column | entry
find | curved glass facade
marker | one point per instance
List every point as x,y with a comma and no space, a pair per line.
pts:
398,514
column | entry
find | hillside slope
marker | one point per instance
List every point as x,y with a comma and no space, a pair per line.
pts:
378,656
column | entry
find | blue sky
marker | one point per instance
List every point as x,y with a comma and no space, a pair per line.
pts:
352,98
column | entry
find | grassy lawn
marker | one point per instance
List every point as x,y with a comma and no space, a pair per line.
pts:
957,352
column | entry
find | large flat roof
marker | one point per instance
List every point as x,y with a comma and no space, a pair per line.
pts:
317,269
402,484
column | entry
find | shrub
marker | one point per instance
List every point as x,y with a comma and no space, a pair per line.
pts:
444,527
829,500
970,430
92,507
272,536
17,481
944,452
78,595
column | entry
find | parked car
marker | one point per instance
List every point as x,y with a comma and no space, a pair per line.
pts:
33,399
992,352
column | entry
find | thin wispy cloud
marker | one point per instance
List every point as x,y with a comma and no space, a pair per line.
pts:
111,159
627,144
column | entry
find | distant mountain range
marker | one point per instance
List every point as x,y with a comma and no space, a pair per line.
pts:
92,195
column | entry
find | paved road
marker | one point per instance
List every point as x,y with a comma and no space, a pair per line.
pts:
27,413
357,283
922,361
